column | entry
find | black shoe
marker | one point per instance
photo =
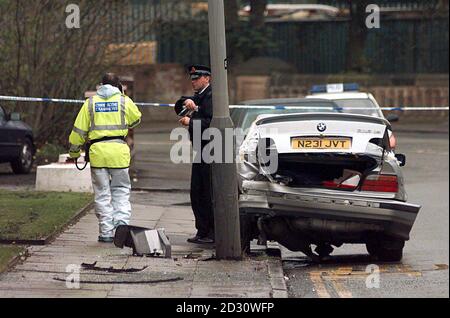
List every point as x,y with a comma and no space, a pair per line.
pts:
103,239
205,240
200,240
193,239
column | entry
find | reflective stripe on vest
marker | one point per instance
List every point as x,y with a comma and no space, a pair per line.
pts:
123,124
82,133
117,141
74,148
135,123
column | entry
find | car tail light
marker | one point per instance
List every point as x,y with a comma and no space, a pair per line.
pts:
351,183
392,141
334,185
380,183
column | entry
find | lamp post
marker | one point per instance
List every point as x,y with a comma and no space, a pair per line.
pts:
224,175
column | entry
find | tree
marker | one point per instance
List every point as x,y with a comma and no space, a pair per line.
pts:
245,39
258,8
41,57
257,26
232,26
355,60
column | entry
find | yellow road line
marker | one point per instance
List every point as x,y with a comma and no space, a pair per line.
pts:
343,271
440,266
319,286
406,269
340,288
337,276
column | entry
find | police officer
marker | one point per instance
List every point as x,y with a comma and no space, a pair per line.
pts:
103,121
199,114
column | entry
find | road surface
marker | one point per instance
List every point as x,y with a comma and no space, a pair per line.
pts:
423,271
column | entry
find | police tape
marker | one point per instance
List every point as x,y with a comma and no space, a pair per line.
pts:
44,100
273,107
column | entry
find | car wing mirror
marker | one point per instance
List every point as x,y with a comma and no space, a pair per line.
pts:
15,117
402,159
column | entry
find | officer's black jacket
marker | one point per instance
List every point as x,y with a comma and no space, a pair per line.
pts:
204,113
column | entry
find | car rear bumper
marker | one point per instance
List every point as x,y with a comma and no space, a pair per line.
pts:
395,217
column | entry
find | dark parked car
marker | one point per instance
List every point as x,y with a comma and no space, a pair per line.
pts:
16,142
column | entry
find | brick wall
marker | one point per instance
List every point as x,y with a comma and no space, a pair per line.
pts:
413,96
421,91
165,83
159,83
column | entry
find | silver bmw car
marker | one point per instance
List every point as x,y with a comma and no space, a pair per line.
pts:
315,178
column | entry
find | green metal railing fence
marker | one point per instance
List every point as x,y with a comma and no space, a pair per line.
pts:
399,46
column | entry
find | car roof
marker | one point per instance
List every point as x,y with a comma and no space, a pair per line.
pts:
343,95
289,101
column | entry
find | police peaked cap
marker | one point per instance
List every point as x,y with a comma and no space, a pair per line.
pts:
195,71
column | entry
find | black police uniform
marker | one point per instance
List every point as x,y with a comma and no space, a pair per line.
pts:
201,187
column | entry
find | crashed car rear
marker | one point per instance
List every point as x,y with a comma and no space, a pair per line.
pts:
336,180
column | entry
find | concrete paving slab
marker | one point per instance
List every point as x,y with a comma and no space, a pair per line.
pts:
78,244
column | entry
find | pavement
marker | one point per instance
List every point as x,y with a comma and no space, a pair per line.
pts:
160,199
192,272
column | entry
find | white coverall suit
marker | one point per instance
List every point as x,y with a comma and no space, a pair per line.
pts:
105,119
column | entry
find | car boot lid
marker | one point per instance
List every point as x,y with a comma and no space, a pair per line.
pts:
359,130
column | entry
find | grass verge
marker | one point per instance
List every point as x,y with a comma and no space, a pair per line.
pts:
7,254
36,215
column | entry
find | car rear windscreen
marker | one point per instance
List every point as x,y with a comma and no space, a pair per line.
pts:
252,114
359,106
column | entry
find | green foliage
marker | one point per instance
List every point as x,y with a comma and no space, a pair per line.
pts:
8,252
253,42
36,215
49,153
189,40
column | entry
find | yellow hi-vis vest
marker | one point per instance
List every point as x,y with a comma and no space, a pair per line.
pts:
100,118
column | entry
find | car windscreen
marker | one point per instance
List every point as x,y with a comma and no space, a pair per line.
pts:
359,106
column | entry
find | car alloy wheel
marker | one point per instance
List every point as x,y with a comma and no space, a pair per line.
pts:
26,156
24,162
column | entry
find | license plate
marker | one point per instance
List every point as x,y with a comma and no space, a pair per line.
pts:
321,143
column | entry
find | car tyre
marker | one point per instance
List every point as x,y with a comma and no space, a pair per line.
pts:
386,250
24,163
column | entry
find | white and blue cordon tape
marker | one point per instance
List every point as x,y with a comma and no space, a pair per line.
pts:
77,101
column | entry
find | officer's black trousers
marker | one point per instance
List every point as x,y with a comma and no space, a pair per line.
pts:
201,199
